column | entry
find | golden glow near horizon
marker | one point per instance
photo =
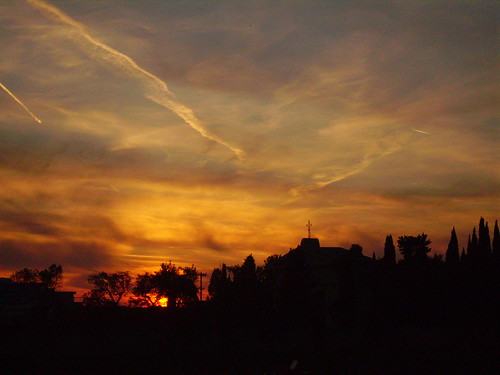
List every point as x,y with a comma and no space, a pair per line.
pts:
177,132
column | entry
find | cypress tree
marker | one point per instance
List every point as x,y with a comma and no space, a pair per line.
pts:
481,248
452,254
389,250
483,242
496,242
473,246
487,241
463,257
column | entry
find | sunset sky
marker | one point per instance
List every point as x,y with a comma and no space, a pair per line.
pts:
202,131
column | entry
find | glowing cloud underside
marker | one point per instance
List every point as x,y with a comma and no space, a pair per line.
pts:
159,91
20,103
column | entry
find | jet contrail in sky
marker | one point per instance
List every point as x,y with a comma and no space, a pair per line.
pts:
20,103
160,92
421,131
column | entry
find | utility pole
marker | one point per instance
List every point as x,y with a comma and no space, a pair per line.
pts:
201,274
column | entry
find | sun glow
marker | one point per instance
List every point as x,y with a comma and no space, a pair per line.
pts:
163,302
135,175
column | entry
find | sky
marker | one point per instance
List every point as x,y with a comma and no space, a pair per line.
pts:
134,133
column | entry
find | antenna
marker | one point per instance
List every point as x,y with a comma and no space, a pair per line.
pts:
309,225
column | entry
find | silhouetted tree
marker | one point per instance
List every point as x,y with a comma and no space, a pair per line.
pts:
232,271
26,275
177,284
190,272
187,292
245,280
107,288
272,262
389,250
487,240
215,288
247,272
496,242
146,291
50,277
95,297
452,253
166,281
469,246
414,249
437,259
272,272
483,242
219,287
472,252
463,256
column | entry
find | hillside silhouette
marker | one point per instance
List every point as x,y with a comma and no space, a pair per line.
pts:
314,310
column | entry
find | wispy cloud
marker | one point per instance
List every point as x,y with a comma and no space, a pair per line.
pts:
158,90
329,100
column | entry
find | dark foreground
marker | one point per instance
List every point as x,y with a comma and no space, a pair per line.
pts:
198,341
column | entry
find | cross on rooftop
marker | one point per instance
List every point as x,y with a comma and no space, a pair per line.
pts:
309,225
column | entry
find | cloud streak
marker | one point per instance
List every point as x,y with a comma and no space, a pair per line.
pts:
331,103
20,103
159,91
421,131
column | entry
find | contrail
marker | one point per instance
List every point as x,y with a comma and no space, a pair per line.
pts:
114,188
160,92
20,103
421,131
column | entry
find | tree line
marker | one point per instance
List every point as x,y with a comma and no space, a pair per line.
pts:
407,312
175,287
171,286
50,277
416,248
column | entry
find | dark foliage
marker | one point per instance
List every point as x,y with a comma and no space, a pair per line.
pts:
108,288
177,284
414,249
352,315
50,277
389,250
26,275
496,243
452,255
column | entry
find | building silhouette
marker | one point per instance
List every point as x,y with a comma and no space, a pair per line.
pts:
336,282
31,298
